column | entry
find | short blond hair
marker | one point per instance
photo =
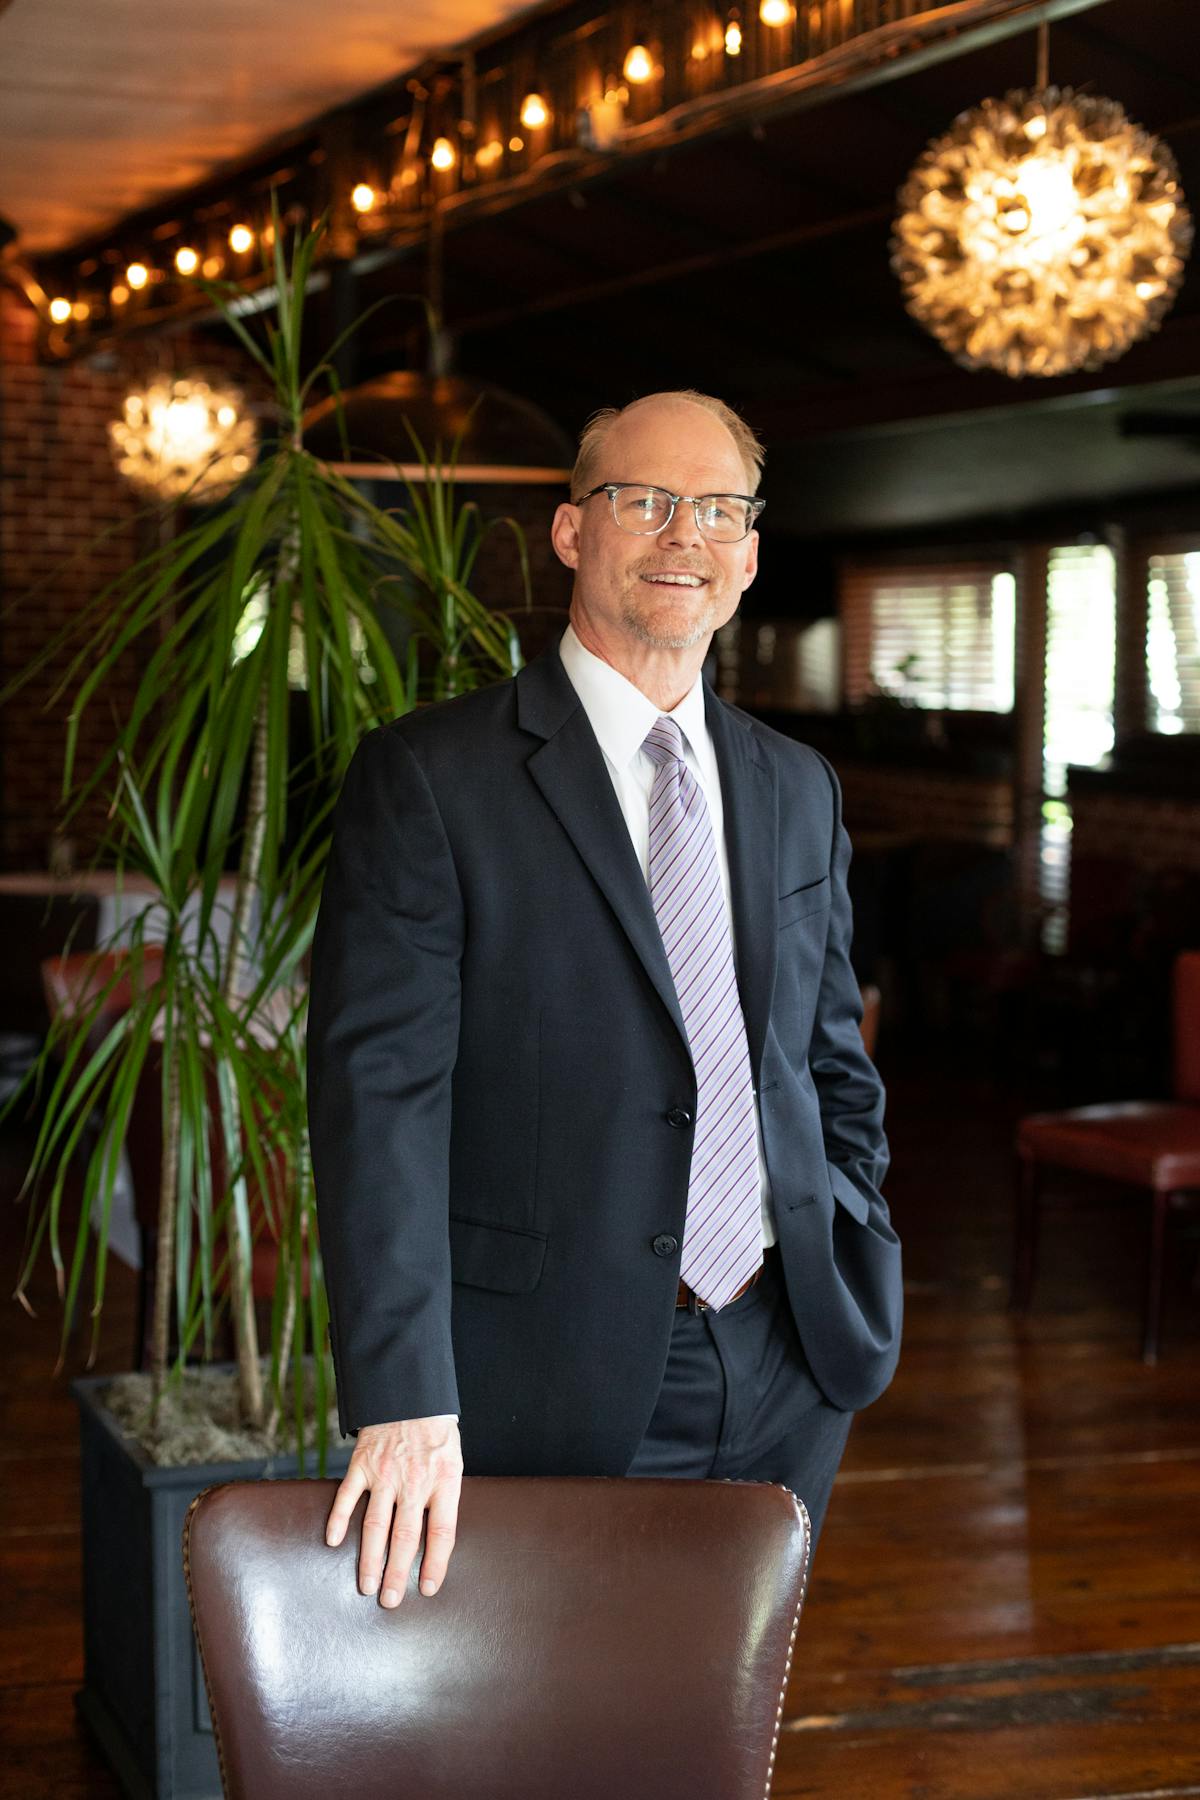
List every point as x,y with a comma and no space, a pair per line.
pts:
594,436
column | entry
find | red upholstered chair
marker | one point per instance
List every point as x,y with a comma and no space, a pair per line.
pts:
597,1638
1151,1144
869,1029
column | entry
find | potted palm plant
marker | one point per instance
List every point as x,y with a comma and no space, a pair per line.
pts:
299,596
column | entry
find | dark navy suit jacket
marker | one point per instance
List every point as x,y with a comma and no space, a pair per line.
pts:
497,1067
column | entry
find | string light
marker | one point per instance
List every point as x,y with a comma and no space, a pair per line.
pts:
60,310
516,143
776,12
443,155
81,311
187,261
240,239
212,266
489,153
137,275
639,64
120,293
362,199
733,39
534,112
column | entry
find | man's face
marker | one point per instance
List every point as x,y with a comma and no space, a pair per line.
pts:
620,578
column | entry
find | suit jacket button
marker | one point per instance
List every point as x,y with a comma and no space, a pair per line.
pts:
664,1244
678,1116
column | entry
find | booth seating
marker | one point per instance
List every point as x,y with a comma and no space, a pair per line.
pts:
1153,1146
595,1638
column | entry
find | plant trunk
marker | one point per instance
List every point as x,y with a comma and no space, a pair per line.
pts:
245,1325
164,1258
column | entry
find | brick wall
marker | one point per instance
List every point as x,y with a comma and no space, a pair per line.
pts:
1146,830
59,491
926,803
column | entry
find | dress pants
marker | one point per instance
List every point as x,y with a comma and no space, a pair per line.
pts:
738,1401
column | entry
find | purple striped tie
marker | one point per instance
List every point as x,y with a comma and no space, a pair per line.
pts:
722,1235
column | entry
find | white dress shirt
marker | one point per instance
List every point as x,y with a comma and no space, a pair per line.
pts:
621,716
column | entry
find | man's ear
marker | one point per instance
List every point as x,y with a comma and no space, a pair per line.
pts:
564,534
751,568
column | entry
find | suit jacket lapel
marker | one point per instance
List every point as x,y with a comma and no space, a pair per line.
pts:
569,768
749,799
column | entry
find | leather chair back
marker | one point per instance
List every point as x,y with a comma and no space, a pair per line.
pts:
1186,1011
594,1638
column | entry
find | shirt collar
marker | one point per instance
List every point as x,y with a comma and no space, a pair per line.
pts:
618,712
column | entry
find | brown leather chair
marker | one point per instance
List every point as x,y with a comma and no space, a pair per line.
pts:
1151,1144
597,1638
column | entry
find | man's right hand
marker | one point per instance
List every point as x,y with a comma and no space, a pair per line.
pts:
406,1467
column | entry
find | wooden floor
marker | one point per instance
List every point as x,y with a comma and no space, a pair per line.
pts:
1006,1600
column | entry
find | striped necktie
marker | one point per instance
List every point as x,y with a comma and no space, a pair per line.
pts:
722,1236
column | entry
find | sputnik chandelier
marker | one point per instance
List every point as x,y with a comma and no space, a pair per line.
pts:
1045,232
184,436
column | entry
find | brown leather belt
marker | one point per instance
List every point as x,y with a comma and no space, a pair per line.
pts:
686,1293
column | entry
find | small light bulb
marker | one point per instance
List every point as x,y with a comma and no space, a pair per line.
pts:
776,12
489,153
60,310
639,65
81,310
534,112
137,275
187,261
443,154
516,143
699,50
240,239
212,267
120,293
362,198
733,40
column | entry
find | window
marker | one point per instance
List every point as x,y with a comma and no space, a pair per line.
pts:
1080,660
1173,642
938,636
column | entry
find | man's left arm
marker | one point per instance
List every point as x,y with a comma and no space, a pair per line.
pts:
848,1086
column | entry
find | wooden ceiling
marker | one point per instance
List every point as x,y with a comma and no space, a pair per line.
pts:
755,265
108,105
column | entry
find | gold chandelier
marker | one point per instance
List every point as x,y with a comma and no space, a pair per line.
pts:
184,436
1045,232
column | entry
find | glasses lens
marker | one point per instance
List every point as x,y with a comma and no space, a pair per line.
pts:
642,509
724,517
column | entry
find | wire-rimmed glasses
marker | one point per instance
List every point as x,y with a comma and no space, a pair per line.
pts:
645,510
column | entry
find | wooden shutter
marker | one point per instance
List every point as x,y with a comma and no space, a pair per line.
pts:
1173,640
938,634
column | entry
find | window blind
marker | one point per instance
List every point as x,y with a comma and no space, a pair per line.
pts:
937,635
1173,641
1079,675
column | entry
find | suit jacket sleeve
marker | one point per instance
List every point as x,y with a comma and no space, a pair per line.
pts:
848,1085
383,1024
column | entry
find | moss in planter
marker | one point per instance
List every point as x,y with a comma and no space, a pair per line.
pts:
198,1419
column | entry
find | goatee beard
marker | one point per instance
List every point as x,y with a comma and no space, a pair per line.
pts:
640,627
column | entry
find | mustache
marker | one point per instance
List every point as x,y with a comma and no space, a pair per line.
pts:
680,567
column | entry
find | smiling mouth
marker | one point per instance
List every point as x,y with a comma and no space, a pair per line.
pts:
684,581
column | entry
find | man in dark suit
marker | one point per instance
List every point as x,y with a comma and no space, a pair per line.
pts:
596,1143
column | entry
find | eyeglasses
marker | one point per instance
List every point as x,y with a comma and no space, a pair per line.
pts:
646,510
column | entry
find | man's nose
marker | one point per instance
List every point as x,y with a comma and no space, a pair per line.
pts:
683,531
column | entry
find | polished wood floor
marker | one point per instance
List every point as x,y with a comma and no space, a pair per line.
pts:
1006,1600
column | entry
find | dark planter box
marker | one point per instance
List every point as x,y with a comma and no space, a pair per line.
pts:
143,1690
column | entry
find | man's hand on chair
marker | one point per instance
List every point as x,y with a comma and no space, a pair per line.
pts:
406,1466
